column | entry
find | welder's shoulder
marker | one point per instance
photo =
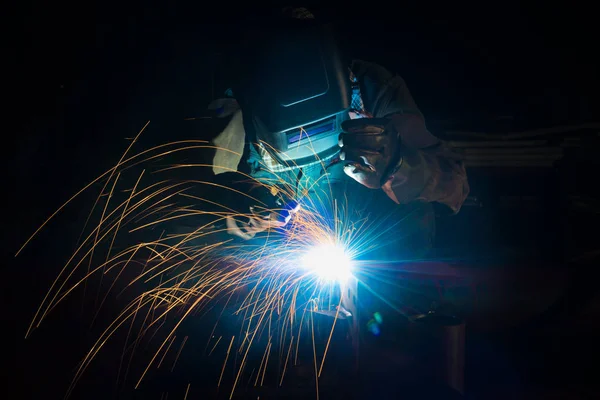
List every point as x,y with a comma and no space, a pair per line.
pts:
229,143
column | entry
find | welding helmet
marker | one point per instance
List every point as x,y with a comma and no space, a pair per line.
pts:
294,90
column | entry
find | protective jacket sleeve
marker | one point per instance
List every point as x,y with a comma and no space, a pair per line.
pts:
428,170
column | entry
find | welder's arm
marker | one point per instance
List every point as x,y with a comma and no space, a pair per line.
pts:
243,205
388,146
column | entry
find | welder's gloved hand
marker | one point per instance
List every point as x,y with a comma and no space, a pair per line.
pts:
249,207
370,149
261,218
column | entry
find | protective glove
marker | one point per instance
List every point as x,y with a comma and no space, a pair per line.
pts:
370,149
250,207
261,219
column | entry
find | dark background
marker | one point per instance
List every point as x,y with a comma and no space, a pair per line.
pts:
88,75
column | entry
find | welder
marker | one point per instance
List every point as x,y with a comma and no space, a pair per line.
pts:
298,112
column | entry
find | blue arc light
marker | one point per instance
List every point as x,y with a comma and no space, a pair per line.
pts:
327,261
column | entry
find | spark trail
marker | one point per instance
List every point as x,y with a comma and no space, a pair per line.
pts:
133,238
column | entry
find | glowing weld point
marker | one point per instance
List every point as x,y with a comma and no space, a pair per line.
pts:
328,262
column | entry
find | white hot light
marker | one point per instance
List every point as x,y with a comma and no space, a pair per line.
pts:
328,262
